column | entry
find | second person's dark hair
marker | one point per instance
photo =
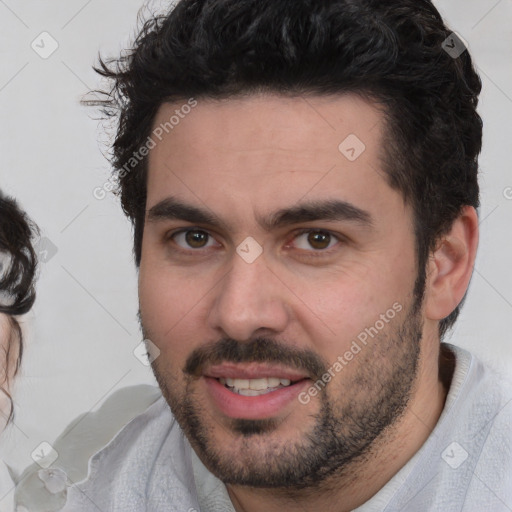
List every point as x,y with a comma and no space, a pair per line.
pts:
18,265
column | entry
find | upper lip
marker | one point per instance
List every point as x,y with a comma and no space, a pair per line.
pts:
252,371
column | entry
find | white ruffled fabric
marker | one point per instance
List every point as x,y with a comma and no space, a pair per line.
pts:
6,489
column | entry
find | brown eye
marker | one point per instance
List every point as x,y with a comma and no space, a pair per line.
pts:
316,240
196,239
319,240
193,239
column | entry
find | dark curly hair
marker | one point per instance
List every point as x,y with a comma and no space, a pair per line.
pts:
390,52
18,265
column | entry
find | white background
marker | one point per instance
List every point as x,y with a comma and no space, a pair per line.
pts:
83,329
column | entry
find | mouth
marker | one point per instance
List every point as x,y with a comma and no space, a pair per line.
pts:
255,387
253,391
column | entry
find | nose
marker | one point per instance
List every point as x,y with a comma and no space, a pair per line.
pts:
248,299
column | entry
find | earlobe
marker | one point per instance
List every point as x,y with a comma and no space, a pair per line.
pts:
451,265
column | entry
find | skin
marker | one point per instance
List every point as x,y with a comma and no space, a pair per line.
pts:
5,331
242,159
7,366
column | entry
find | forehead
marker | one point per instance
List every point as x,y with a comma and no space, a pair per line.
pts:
269,149
304,124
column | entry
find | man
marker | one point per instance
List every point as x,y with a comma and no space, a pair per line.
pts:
302,181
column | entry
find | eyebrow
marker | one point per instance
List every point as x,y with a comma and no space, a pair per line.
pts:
172,208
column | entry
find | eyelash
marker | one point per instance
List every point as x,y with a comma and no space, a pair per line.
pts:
312,253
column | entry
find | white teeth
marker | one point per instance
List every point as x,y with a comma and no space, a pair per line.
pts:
258,384
241,383
249,392
255,387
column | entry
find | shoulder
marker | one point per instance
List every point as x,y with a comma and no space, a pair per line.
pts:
486,390
481,395
493,471
466,463
484,412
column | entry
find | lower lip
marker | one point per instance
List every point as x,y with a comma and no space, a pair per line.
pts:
252,407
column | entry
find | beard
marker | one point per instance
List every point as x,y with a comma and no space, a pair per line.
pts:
348,420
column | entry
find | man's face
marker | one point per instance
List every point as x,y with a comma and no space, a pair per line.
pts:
248,314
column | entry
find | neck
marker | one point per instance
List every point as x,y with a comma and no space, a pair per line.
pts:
385,457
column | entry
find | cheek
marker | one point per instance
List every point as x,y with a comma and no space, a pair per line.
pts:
164,294
347,299
342,307
156,297
170,310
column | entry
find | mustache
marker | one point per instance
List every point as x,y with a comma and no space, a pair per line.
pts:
259,350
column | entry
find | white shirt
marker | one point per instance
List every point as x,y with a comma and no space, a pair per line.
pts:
464,466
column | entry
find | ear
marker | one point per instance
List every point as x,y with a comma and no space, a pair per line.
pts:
450,266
